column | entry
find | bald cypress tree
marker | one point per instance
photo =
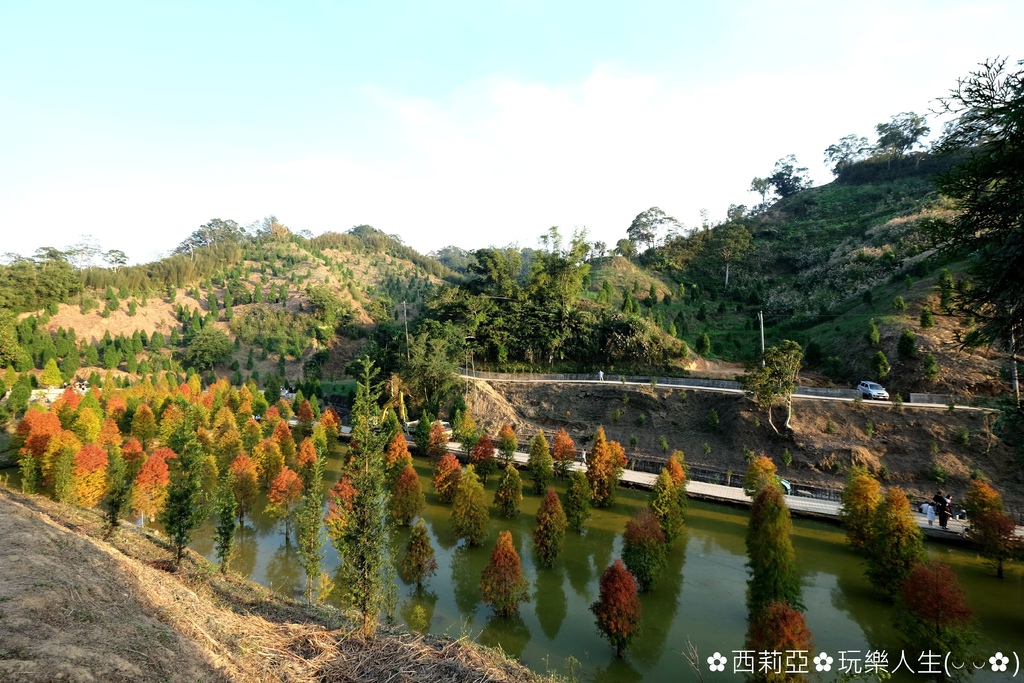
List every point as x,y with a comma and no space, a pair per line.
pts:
771,560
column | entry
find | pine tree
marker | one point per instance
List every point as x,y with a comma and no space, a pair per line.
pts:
183,512
366,566
618,608
861,497
447,474
224,533
549,533
309,528
895,546
407,499
119,489
577,503
470,517
502,584
771,560
644,548
509,493
540,464
418,563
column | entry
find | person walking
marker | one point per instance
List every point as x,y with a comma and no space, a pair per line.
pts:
930,513
940,507
600,375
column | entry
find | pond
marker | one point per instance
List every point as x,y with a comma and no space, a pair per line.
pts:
699,599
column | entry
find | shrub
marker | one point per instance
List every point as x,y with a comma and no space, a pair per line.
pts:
927,318
880,364
930,369
898,304
907,345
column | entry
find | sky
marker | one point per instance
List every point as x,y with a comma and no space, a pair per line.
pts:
445,122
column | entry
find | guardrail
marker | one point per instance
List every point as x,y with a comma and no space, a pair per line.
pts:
941,399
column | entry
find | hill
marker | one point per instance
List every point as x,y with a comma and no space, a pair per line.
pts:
77,608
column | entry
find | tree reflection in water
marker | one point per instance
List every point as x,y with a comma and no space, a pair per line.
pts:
284,573
550,602
417,610
509,633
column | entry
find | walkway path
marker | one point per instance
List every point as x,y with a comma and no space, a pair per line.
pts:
733,495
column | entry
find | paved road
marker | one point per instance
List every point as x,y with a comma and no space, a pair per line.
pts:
725,390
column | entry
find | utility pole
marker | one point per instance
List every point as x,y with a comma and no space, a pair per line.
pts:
760,319
405,310
1013,368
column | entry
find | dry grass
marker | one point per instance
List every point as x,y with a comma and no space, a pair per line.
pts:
74,607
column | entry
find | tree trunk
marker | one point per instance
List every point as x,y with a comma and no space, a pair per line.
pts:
789,411
727,274
774,428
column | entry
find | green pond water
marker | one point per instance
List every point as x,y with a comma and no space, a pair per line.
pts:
699,599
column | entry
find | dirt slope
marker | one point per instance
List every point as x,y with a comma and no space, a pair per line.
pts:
902,446
74,607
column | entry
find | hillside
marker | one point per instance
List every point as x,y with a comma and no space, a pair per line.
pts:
913,448
74,607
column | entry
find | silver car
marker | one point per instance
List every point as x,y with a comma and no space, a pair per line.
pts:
873,391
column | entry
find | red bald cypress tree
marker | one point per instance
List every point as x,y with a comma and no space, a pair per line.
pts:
407,498
502,584
549,533
482,457
777,627
447,474
618,610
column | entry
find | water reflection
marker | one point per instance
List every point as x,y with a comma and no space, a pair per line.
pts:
284,573
509,633
417,611
466,568
549,598
661,605
243,559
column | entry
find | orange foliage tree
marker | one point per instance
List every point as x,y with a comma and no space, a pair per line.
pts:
996,534
895,546
339,506
605,463
777,627
437,445
447,474
407,498
244,484
286,442
932,613
618,609
151,485
549,533
269,461
564,453
861,497
980,498
284,495
396,457
330,422
90,475
760,473
507,442
306,456
502,584
482,457
144,425
110,434
305,413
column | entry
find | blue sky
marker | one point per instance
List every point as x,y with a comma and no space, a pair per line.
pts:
468,123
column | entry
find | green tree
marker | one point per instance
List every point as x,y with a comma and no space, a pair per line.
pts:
849,150
861,497
703,346
51,376
577,503
667,505
227,522
895,546
906,347
362,544
927,318
776,380
509,492
901,134
119,489
309,527
507,443
549,532
183,510
880,364
873,336
470,517
787,178
418,563
207,348
540,463
988,191
645,227
771,560
731,243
